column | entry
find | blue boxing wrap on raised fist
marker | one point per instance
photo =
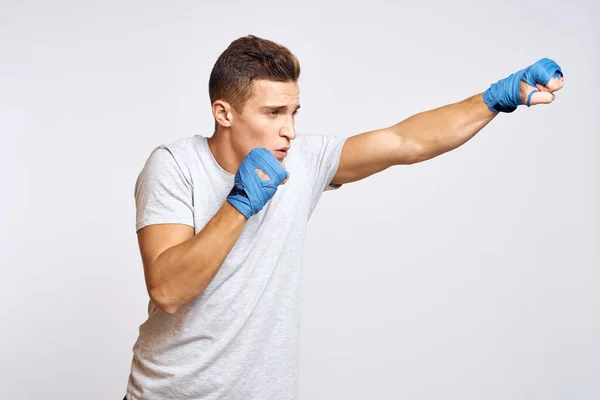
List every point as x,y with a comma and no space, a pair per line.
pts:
250,192
504,95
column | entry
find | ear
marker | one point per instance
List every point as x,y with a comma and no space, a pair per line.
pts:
222,113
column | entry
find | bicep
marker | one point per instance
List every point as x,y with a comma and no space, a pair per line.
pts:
154,240
368,153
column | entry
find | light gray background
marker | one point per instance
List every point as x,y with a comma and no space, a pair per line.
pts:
470,276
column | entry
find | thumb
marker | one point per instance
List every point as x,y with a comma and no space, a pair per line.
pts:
537,94
542,97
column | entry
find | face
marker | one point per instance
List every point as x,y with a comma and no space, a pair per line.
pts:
267,119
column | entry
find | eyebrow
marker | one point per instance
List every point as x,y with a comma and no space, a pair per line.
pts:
278,107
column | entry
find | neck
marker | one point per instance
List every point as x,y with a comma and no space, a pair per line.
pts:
221,147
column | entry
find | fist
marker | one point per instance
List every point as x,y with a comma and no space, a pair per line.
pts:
266,177
251,191
534,86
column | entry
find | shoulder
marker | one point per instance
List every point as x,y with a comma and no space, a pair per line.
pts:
185,149
181,153
168,165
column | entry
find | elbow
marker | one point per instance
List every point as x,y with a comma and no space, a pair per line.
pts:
417,152
161,299
423,151
407,150
169,309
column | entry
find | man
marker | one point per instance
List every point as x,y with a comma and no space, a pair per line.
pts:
221,221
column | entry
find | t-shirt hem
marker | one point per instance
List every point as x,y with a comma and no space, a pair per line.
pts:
157,221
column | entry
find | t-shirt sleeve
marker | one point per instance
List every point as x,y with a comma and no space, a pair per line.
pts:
322,156
163,194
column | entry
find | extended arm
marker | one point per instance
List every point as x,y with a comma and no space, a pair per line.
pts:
431,133
418,138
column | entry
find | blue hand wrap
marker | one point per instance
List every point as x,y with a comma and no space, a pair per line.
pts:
504,96
250,192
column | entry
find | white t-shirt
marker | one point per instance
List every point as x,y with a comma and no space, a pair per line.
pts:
239,339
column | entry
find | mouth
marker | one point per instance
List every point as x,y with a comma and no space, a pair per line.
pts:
281,153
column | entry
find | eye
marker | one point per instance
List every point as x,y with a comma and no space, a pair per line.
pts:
273,112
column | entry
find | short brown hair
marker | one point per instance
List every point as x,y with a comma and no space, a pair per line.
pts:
247,59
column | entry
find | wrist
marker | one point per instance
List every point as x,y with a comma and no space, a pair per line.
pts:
234,212
504,95
239,201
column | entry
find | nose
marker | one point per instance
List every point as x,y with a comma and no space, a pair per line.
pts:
288,129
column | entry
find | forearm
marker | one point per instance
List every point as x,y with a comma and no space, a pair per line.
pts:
182,272
443,129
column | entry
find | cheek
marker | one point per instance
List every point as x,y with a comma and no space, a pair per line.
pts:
264,127
267,123
255,132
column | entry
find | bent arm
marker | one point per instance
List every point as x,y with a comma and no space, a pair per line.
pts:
418,138
179,265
